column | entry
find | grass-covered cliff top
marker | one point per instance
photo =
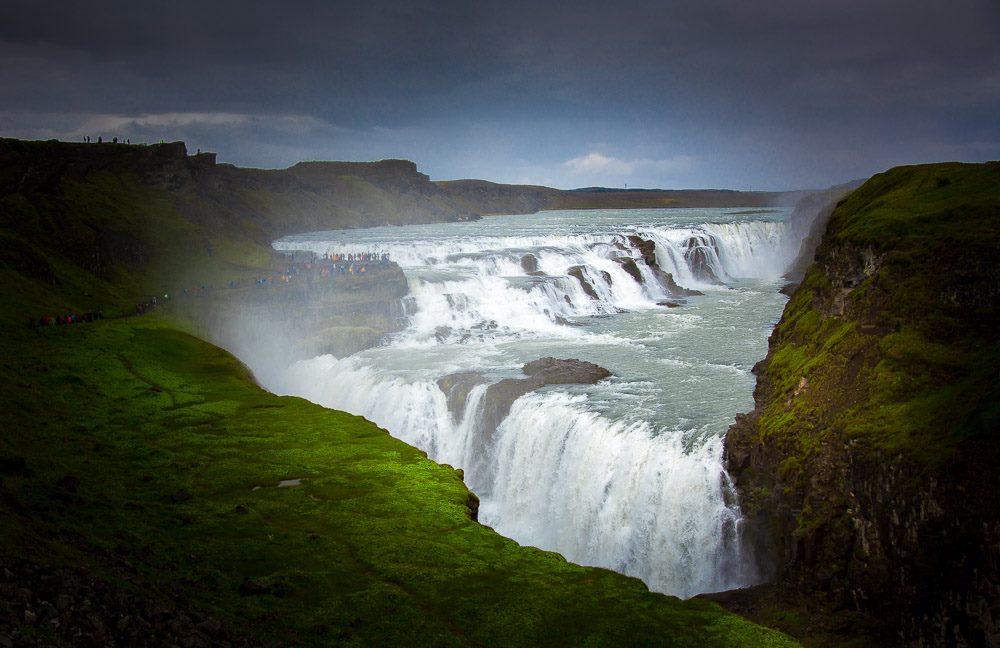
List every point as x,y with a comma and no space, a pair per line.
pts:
866,470
892,339
141,469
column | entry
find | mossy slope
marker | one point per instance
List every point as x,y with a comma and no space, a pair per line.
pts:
175,457
877,410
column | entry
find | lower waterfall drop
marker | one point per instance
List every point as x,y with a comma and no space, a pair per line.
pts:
626,473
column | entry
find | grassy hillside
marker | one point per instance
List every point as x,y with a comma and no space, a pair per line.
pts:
868,464
151,493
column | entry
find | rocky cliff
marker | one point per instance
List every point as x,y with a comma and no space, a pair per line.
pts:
866,470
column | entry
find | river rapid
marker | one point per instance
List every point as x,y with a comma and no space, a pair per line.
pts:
627,473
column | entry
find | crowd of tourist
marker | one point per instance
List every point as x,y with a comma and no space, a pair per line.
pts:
303,267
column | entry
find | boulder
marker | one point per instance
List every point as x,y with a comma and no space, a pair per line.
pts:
544,371
529,262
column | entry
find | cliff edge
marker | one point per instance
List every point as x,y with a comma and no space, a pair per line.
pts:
866,470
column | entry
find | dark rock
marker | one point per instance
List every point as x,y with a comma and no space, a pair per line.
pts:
456,388
577,273
645,247
535,273
699,252
544,371
788,289
529,263
672,287
672,303
647,251
629,266
472,502
554,371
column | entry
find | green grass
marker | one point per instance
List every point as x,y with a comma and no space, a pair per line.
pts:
376,546
908,368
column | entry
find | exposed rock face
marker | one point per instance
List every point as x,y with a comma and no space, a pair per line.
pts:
577,273
544,371
456,388
699,258
867,467
630,268
647,250
529,263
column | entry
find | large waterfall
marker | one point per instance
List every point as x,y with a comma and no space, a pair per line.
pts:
626,473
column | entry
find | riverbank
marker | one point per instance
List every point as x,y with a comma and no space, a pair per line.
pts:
141,468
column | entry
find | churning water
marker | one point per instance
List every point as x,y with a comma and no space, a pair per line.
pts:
625,474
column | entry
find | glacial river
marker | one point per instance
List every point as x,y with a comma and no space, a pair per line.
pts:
625,474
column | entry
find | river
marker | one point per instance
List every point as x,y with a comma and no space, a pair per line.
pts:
627,473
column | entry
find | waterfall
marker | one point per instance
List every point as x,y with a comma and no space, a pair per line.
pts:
626,474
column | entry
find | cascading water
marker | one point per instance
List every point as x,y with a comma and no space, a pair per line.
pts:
625,474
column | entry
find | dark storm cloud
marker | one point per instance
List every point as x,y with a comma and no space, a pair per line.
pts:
719,92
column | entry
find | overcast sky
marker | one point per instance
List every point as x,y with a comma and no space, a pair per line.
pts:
772,94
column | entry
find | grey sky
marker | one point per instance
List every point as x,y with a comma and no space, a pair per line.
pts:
717,93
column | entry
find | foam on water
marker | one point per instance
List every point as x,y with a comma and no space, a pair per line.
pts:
625,474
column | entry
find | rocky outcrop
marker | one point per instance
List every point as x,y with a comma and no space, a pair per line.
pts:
544,371
456,388
866,467
647,252
699,250
529,263
577,273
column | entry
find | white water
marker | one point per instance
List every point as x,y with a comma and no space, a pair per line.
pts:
626,474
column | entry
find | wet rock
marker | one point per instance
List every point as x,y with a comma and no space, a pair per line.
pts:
577,273
530,263
630,268
554,371
535,273
647,251
672,287
545,371
456,388
699,254
672,303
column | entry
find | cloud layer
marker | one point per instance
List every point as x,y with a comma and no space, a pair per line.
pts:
717,93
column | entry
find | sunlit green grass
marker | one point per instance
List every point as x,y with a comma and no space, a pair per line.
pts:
375,546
